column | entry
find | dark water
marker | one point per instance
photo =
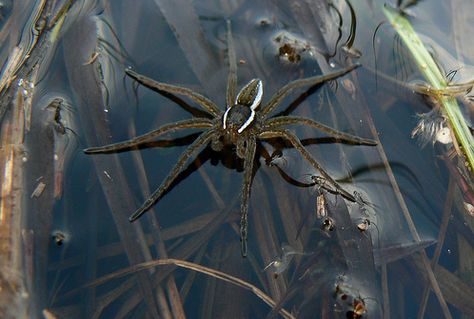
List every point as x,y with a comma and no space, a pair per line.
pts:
369,259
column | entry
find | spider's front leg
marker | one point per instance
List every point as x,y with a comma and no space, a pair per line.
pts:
247,183
276,99
201,100
232,77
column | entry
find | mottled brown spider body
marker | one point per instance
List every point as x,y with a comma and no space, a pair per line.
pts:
244,121
241,121
237,117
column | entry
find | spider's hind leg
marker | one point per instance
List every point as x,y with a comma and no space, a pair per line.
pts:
296,143
247,183
191,151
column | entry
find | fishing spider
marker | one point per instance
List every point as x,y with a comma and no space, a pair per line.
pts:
241,124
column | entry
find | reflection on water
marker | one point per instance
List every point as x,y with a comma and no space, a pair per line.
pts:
402,250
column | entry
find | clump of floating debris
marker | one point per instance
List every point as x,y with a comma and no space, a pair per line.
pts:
291,47
281,263
432,128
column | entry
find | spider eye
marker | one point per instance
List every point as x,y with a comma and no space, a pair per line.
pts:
251,94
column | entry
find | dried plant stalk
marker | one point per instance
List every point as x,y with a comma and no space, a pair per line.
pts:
192,266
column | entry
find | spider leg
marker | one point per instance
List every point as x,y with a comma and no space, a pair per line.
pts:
192,123
203,101
232,77
294,140
244,206
311,81
278,122
196,146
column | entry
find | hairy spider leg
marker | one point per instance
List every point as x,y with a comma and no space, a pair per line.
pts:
289,136
232,77
197,123
311,81
194,148
203,101
278,122
246,186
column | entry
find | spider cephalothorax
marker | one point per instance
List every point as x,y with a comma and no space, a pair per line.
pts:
244,121
240,120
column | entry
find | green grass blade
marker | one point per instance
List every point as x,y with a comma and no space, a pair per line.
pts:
436,79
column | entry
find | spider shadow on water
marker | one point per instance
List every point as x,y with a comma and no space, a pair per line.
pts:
242,125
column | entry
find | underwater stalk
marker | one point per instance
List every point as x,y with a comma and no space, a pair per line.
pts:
437,80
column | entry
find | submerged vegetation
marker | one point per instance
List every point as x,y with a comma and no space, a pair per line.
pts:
335,231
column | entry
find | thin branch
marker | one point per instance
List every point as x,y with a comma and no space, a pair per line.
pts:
192,266
448,205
